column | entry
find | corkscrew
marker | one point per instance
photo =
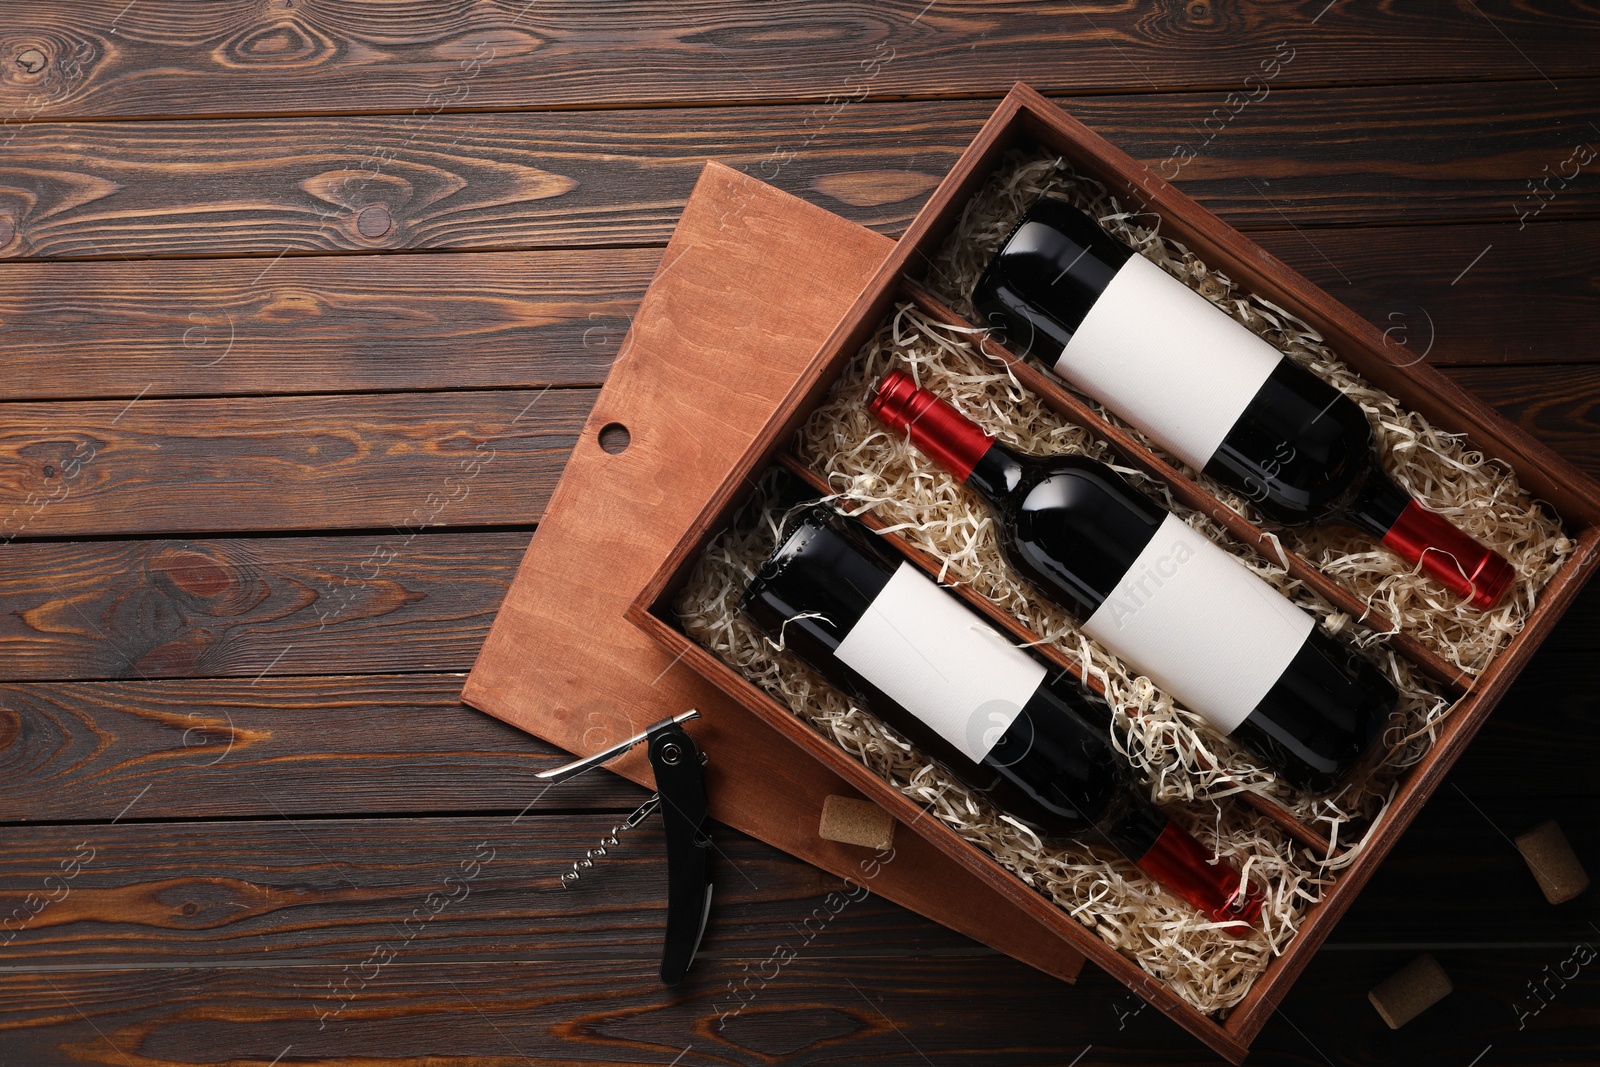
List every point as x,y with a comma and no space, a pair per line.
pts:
681,797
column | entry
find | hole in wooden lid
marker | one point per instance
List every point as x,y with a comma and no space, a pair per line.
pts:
614,437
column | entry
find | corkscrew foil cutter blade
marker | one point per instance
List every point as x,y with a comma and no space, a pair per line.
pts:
681,793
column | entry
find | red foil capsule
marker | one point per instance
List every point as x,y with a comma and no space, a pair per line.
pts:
1478,574
1184,866
938,430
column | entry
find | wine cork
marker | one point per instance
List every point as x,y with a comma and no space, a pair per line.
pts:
856,822
1410,991
1553,863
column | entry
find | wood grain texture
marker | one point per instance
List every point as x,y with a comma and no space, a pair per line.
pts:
1398,155
316,325
405,462
1535,744
248,607
109,329
1558,404
324,888
164,57
1533,296
482,181
498,181
330,889
214,748
894,1011
539,1011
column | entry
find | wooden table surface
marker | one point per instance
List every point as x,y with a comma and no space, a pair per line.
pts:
273,267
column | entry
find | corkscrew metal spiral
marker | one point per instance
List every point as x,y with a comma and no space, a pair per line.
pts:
639,815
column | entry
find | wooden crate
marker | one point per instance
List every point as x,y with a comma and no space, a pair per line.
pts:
1027,118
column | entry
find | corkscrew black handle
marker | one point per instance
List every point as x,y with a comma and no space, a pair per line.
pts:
680,783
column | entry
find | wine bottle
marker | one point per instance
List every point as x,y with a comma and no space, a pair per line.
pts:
1173,605
1125,332
887,636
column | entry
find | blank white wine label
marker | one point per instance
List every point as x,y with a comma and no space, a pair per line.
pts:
935,657
1201,625
1160,355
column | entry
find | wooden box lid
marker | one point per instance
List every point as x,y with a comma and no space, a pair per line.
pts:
749,269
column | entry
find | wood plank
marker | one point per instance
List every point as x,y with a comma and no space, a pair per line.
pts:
250,607
1527,748
1559,404
404,461
500,181
1398,155
316,325
106,329
1554,403
481,181
985,1011
1531,297
214,748
162,57
219,893
543,1012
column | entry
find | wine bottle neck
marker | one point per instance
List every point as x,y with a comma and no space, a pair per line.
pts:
997,473
1378,504
1214,886
1430,541
1135,829
937,430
